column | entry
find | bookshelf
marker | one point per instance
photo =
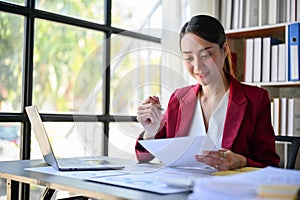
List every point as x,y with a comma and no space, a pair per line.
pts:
277,89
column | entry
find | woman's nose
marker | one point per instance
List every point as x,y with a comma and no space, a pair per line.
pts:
198,63
197,67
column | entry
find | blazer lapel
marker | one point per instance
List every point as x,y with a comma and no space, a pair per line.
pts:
187,108
237,107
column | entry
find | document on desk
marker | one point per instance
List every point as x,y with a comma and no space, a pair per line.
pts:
163,181
150,177
267,182
76,174
180,151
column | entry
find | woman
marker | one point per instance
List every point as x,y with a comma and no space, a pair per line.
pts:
236,115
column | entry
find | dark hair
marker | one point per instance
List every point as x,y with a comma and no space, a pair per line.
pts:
211,30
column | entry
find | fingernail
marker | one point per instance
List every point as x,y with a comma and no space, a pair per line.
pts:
199,158
160,108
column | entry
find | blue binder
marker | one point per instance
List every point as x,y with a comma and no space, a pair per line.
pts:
293,51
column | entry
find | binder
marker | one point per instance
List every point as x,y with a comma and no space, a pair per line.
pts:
226,12
281,11
293,51
283,116
263,12
266,57
276,115
257,59
282,65
249,60
293,117
274,63
241,14
293,10
288,11
235,14
251,13
273,12
297,11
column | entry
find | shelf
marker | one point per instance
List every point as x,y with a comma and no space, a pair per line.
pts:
257,28
275,84
283,142
258,31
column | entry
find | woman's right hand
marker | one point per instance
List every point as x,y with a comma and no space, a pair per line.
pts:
149,115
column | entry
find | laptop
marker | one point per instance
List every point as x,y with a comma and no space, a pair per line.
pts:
63,164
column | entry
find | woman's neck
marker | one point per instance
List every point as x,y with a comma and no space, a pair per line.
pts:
216,89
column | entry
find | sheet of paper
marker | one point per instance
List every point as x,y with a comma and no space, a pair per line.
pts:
180,151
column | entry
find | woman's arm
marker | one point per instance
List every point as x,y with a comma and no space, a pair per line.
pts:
263,143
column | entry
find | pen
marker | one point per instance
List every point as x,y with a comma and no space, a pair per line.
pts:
158,107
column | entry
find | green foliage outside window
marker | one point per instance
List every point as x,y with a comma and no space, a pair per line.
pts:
11,59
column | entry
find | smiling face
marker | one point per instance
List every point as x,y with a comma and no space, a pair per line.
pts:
203,60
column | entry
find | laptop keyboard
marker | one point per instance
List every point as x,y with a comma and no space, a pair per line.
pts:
73,162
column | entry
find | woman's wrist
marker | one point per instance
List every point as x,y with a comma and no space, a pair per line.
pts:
148,136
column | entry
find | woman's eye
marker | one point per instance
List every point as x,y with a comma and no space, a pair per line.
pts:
188,59
206,55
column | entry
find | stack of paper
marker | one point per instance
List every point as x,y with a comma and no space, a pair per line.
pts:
249,185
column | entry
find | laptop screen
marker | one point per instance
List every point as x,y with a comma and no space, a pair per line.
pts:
40,134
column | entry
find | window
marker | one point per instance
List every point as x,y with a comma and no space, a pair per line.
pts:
81,63
84,9
68,62
135,67
136,15
11,61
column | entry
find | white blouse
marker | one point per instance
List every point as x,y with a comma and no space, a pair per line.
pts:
215,126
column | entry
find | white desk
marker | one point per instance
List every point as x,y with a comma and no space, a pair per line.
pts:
14,172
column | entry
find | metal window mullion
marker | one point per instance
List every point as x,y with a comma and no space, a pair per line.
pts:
27,89
106,78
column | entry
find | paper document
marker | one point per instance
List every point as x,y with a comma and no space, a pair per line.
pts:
150,177
77,174
180,151
248,185
164,181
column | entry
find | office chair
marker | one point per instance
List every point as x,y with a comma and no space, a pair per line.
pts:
48,193
293,152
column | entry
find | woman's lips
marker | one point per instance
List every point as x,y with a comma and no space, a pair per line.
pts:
202,75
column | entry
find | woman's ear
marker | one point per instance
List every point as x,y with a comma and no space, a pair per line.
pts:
225,48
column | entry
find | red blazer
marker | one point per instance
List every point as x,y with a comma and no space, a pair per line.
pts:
247,131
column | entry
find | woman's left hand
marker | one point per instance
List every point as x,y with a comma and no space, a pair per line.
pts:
223,159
